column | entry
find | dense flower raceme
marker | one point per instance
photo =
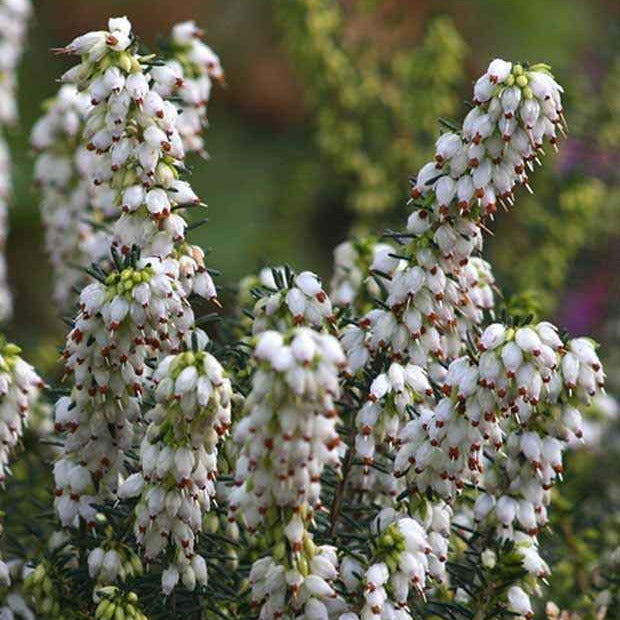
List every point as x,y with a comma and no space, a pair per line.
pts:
132,314
74,214
178,459
407,553
139,152
515,401
430,309
14,16
140,309
287,437
62,171
20,388
188,74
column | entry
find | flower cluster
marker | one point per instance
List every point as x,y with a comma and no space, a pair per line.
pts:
490,404
392,397
110,562
351,283
286,299
405,556
289,433
14,16
430,308
307,588
178,459
287,438
134,133
139,310
74,234
20,388
188,74
122,320
498,419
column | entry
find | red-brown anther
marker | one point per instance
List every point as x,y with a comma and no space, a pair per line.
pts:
321,296
454,452
415,193
268,443
333,443
57,492
479,193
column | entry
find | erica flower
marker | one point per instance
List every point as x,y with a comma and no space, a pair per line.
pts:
178,458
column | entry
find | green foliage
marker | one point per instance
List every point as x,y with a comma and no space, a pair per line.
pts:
375,108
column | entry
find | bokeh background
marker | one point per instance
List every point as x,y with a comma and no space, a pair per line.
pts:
329,107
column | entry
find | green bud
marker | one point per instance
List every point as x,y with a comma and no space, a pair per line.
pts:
124,61
109,612
105,63
39,574
279,551
101,608
522,81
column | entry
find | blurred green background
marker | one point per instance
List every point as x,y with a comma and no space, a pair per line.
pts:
329,107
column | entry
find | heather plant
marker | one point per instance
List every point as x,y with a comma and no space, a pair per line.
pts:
389,447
